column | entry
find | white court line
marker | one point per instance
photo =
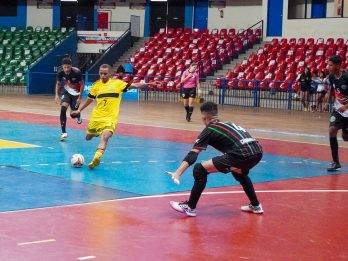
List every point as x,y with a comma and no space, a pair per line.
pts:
116,162
24,165
36,242
184,194
297,162
152,161
134,161
173,128
51,148
43,164
86,257
64,163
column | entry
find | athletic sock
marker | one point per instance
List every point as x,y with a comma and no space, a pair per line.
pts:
334,149
190,111
63,118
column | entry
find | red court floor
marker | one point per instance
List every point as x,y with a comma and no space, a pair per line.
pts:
304,222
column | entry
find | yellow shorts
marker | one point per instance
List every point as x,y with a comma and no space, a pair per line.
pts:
97,128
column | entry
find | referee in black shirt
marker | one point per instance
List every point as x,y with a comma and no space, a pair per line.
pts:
241,152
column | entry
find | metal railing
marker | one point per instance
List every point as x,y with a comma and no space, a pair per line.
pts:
260,95
110,55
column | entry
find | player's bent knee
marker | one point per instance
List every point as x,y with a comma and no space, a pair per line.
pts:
63,109
199,172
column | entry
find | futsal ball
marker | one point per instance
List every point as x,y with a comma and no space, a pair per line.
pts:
77,160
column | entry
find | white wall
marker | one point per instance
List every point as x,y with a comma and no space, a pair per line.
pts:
315,28
38,17
239,14
123,13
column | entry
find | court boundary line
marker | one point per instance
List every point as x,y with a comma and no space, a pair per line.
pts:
180,194
280,132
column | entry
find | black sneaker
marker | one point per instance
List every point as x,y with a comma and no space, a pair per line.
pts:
334,166
188,118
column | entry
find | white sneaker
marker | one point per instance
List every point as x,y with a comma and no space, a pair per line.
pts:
79,119
63,136
182,207
252,209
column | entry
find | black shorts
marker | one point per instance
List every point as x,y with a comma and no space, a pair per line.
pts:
339,121
188,93
70,99
224,162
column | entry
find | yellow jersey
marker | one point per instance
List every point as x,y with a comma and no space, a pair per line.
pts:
108,96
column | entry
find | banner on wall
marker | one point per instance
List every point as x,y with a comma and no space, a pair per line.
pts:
131,95
96,41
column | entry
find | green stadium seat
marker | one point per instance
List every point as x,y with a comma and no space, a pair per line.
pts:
21,29
40,43
43,49
18,57
4,80
30,29
4,29
23,64
13,80
8,56
28,58
47,29
38,29
23,80
13,62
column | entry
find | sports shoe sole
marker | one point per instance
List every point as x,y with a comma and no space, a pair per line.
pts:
333,170
182,211
252,211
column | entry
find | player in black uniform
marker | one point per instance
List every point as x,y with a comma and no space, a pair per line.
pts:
71,93
339,118
241,152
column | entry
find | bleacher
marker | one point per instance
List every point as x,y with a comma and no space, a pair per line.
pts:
280,62
20,47
166,55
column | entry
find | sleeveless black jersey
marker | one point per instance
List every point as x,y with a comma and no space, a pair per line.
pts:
228,138
71,81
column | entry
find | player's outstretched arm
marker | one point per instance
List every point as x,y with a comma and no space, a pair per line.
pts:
141,85
190,158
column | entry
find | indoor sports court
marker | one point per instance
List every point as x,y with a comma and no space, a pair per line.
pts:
276,68
121,211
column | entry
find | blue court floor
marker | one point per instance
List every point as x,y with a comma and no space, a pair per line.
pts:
41,176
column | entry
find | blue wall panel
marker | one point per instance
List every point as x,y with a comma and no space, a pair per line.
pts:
275,18
56,14
201,14
319,8
20,19
42,76
188,14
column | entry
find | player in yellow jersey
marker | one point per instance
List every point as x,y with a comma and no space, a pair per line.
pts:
108,94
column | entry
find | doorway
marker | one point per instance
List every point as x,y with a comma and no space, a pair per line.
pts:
166,14
79,14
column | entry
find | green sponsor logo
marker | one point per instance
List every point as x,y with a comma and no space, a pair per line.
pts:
332,119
